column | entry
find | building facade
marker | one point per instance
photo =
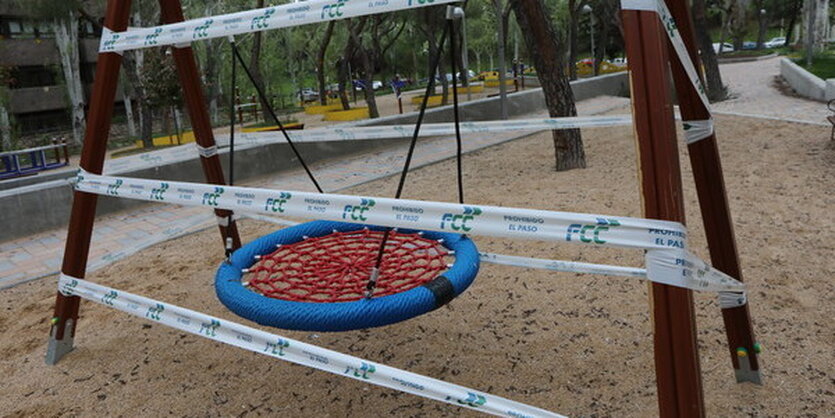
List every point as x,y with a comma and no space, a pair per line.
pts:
36,96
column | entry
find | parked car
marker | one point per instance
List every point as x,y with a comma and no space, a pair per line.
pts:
471,72
619,61
747,45
308,95
375,84
776,42
726,47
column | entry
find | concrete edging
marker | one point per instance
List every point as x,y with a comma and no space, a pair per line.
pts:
805,83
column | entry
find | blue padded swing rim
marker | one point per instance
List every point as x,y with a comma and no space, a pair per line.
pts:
341,316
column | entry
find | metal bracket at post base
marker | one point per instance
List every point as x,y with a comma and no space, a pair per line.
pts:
745,374
57,349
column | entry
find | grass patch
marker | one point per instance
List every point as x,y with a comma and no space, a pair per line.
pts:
822,66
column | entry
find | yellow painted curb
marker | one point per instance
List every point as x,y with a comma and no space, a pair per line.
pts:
275,127
345,115
495,83
320,110
162,141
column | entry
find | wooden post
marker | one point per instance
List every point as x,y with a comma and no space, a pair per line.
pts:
713,200
172,12
677,370
83,211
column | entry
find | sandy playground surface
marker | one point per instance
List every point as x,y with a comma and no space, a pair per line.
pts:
577,345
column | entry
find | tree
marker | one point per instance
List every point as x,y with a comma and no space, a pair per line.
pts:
5,119
715,88
320,62
502,12
548,58
366,63
431,23
794,8
739,22
575,7
255,67
816,27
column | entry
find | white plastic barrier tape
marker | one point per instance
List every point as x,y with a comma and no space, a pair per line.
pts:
516,261
696,130
435,129
670,27
248,140
694,282
295,351
257,20
563,266
665,241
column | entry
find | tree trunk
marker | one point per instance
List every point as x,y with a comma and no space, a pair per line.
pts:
320,63
126,99
66,38
344,81
798,6
255,66
573,36
146,124
500,49
816,27
716,91
739,20
603,33
547,56
210,77
367,66
133,62
5,128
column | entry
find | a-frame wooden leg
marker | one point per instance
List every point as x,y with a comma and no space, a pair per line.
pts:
713,201
189,77
65,318
678,375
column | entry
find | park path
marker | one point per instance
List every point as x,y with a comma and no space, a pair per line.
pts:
121,234
753,92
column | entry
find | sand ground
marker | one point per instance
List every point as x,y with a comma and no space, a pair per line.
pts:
578,345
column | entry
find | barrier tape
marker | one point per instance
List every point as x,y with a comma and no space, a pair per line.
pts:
713,282
516,261
256,20
697,130
665,240
437,129
563,266
206,152
246,140
669,24
295,351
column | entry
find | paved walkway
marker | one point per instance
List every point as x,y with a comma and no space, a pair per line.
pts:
119,235
751,85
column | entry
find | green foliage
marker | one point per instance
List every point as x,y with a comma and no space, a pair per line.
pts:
159,78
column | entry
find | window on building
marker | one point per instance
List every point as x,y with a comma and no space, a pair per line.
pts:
32,76
40,122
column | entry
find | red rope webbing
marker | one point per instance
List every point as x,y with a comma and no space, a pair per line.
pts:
336,267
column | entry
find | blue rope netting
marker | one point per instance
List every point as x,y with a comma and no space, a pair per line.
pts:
341,316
